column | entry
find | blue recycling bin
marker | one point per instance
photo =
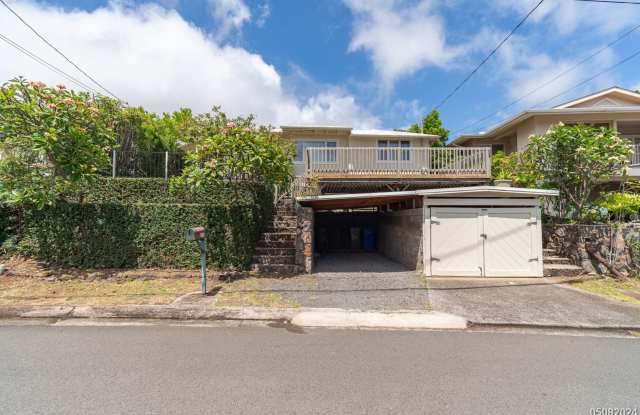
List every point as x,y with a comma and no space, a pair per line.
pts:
368,238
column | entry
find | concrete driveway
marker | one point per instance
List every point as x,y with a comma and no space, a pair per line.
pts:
363,281
539,301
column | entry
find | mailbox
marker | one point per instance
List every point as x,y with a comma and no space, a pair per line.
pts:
199,234
196,234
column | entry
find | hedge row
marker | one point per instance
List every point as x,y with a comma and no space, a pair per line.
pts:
108,234
154,190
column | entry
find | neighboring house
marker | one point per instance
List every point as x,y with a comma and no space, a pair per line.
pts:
349,160
614,107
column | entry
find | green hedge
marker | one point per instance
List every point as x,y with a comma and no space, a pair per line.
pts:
106,234
153,190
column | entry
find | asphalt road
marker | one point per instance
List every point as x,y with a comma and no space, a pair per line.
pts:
263,370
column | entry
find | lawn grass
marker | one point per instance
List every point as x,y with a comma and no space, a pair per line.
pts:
35,291
627,291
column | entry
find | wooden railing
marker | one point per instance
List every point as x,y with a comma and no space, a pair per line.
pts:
398,162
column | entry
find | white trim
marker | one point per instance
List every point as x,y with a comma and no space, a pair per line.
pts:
470,190
426,241
481,202
616,89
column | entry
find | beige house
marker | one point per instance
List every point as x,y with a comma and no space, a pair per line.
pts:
343,159
615,107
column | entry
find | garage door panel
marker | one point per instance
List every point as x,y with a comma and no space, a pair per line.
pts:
456,246
510,241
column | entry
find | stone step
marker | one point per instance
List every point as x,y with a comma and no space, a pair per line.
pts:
274,259
276,244
278,236
556,260
549,251
281,229
276,269
275,251
562,270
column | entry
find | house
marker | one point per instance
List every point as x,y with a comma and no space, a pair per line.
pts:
343,159
615,107
390,193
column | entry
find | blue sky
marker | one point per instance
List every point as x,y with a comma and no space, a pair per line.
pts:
375,63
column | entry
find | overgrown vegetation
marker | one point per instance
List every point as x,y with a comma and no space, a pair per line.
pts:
56,143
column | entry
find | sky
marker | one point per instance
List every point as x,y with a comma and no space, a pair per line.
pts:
357,63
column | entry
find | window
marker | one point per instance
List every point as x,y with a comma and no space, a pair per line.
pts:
387,150
326,156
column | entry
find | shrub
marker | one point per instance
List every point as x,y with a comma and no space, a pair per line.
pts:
620,205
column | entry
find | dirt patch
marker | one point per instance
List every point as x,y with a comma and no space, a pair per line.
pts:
627,291
34,291
29,268
254,299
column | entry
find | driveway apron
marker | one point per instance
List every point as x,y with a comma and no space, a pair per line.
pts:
528,302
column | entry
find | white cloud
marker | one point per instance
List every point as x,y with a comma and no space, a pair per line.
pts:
401,38
229,16
151,56
570,16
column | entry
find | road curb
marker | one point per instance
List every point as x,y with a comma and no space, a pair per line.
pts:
595,327
370,319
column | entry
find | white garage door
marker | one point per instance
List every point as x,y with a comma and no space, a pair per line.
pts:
491,242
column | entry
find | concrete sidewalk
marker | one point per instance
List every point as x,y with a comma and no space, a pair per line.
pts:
538,302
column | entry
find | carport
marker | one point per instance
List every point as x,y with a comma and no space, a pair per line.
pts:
480,231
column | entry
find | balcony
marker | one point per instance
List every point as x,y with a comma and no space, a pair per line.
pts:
345,163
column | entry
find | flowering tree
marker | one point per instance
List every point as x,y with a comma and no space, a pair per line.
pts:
53,141
224,150
575,159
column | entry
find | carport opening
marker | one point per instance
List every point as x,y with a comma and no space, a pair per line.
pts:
349,238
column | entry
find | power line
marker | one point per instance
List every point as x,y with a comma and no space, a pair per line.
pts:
550,81
609,69
493,52
591,78
637,3
47,64
57,50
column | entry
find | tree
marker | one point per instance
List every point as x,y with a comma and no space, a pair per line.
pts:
234,150
575,159
431,124
53,141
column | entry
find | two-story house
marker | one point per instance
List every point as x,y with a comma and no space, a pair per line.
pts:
614,107
343,159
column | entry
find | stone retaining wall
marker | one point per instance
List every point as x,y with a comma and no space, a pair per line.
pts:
400,237
612,242
304,238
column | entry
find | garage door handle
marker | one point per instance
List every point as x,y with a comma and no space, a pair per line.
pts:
483,235
534,259
435,222
435,259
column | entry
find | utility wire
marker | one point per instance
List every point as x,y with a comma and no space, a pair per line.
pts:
609,69
591,78
550,81
493,52
47,64
637,3
57,50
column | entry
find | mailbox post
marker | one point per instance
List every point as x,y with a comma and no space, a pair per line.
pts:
199,234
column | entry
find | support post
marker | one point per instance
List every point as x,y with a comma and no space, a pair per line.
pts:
166,165
203,265
113,163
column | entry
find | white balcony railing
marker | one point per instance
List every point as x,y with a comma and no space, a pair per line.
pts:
398,162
